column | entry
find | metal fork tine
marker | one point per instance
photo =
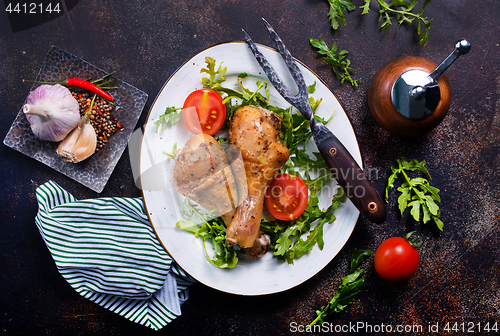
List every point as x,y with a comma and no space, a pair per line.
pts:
301,100
273,76
288,59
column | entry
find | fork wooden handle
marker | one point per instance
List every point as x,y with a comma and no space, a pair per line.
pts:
348,174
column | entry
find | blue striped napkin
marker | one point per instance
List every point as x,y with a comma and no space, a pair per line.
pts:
107,251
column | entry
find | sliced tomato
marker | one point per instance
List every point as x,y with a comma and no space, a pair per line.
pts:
286,197
204,112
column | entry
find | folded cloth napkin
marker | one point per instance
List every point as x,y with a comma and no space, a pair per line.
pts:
107,251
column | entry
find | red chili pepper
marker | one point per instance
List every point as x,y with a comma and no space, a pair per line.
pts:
87,86
81,83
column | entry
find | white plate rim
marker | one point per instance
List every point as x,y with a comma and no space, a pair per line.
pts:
240,289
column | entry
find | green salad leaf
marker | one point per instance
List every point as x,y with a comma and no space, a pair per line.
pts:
216,77
234,99
348,289
172,153
170,117
402,11
416,193
289,241
341,66
336,14
211,230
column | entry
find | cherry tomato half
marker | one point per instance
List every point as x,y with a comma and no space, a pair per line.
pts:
286,197
204,112
396,259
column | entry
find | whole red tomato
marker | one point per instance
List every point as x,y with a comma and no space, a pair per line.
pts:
204,112
396,259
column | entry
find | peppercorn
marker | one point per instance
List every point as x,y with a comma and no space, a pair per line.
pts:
101,118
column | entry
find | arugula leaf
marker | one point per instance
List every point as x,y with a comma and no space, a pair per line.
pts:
287,241
172,153
336,15
315,237
213,231
402,12
365,7
348,289
216,77
339,62
416,193
358,257
170,117
311,88
235,99
313,102
295,134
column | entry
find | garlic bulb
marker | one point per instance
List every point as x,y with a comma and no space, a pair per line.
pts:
81,142
52,112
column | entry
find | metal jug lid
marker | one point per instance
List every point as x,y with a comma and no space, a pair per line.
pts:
416,93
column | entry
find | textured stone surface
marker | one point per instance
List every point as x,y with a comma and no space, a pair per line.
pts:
146,41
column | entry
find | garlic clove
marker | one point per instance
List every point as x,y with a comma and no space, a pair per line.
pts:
52,112
80,143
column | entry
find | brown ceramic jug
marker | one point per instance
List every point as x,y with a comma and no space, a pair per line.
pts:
410,95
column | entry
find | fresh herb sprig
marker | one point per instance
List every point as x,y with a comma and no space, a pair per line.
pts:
291,241
403,12
216,77
172,153
295,134
235,99
213,230
341,65
416,193
312,101
287,240
105,82
348,289
170,117
336,14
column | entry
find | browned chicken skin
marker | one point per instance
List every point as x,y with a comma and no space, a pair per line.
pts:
203,174
256,132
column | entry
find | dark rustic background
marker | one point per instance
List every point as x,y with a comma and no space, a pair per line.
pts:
146,41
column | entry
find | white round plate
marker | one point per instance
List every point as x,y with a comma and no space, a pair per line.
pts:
250,277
